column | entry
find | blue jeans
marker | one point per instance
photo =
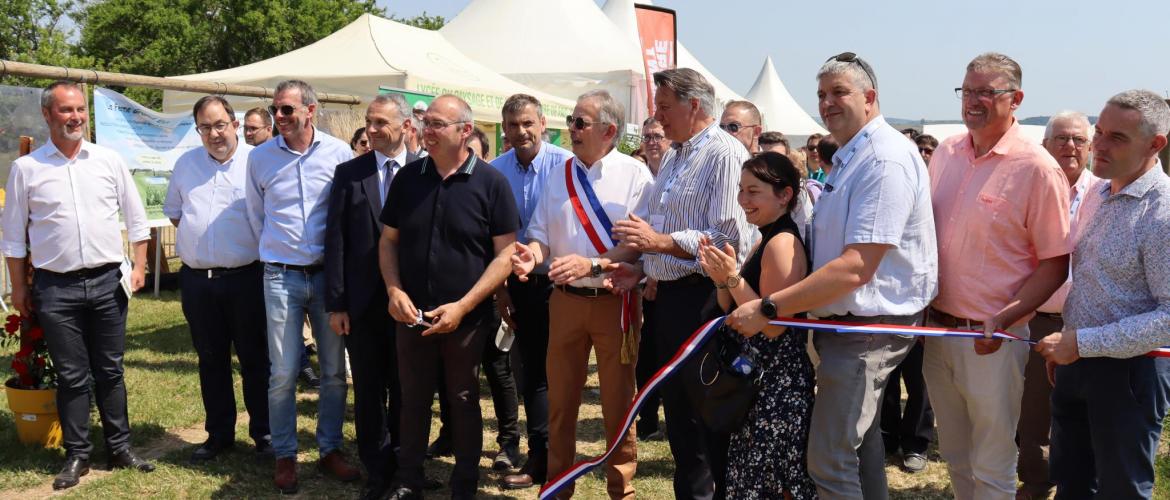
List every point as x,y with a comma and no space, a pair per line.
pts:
288,297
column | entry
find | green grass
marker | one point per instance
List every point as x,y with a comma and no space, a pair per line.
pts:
166,413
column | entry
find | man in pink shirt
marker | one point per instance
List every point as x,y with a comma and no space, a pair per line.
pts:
1001,211
1067,139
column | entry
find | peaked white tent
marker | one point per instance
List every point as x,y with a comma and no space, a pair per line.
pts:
563,47
372,52
621,13
780,110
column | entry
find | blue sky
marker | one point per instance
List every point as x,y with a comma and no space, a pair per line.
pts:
1075,54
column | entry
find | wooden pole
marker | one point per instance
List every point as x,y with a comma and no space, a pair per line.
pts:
102,77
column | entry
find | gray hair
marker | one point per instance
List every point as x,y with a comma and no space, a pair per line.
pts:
1154,110
608,111
998,63
1068,116
397,100
857,70
308,96
752,110
516,103
47,94
688,84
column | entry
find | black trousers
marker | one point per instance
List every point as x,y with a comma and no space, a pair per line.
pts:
530,299
1107,417
647,366
226,310
377,396
460,353
910,429
700,455
84,319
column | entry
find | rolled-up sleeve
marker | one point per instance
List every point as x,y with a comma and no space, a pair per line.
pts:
137,228
879,215
14,222
724,215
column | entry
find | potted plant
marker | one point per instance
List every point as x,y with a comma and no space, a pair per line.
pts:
32,391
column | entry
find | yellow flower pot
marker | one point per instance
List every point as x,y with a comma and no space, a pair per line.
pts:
35,414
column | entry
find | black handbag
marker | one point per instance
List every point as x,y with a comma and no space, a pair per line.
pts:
730,381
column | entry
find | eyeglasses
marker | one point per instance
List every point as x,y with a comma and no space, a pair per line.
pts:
926,150
363,143
286,110
248,129
578,122
849,57
437,125
984,94
652,137
218,127
734,127
1078,141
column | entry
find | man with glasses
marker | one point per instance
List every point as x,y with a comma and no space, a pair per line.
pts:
449,224
221,279
356,296
257,126
62,215
289,179
1002,211
524,304
1067,139
873,261
654,144
584,315
742,120
694,197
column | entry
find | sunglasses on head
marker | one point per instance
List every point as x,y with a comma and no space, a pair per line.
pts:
849,57
286,110
578,122
733,127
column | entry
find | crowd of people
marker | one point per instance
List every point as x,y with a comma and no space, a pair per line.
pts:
406,251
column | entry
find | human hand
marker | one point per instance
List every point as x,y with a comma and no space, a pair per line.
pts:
401,308
1059,348
523,261
622,277
22,300
651,291
638,235
989,344
445,318
717,263
569,268
747,318
137,278
339,321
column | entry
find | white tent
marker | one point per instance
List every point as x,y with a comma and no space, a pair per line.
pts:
372,52
563,47
780,110
621,13
940,131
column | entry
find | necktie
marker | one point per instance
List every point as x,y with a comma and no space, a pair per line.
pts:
386,180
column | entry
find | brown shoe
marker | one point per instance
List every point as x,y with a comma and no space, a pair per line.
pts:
286,475
517,482
336,466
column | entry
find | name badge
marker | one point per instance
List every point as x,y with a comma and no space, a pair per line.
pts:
657,222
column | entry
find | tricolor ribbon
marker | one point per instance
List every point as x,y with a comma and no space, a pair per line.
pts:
700,336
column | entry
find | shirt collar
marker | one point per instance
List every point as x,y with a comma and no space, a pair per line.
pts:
540,154
400,159
1140,186
845,153
1083,182
467,168
1003,146
696,139
599,164
284,145
53,151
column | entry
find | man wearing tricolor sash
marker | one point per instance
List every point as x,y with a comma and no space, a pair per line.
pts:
1109,401
572,228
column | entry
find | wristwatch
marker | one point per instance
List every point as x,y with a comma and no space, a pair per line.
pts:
732,281
595,268
768,308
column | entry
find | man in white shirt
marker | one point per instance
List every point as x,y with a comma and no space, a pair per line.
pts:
602,185
221,279
63,204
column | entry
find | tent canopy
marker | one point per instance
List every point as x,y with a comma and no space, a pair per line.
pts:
780,110
372,52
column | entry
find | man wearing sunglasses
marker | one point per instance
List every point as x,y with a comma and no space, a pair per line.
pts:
1002,211
873,233
742,120
694,197
289,179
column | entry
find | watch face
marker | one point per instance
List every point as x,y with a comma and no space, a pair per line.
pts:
768,308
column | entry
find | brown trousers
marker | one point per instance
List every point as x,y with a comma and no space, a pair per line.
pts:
577,324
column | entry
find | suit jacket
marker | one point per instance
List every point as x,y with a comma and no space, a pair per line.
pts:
353,280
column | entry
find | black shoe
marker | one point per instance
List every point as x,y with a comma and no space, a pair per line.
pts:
376,491
126,459
505,461
264,448
440,448
404,493
211,449
309,377
71,473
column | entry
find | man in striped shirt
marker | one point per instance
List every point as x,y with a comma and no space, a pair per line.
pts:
694,196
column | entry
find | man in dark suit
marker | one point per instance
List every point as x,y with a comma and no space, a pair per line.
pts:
355,293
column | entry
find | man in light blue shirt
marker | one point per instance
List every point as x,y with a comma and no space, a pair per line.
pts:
221,279
524,304
289,179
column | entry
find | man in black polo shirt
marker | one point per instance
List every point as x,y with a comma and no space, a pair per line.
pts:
457,220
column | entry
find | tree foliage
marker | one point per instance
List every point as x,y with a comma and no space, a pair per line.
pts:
423,21
35,31
178,37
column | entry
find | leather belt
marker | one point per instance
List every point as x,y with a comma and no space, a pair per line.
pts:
951,321
582,291
309,269
84,273
219,272
688,280
1056,316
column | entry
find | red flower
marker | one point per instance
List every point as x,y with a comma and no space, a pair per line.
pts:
12,324
34,334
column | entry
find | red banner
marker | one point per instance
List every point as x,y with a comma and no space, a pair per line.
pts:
656,31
